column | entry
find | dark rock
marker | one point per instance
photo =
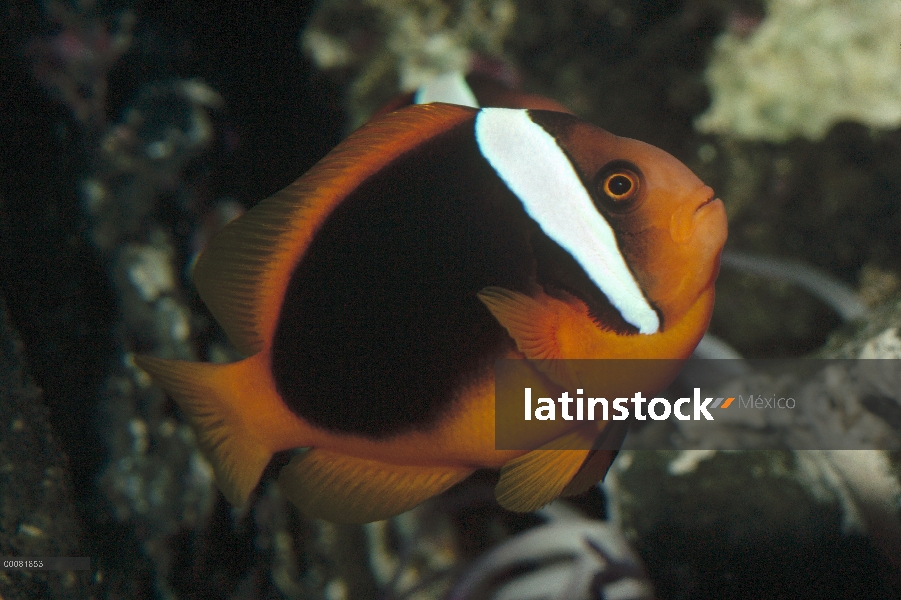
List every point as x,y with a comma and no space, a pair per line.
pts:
37,515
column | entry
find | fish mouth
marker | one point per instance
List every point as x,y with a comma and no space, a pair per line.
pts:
698,210
711,197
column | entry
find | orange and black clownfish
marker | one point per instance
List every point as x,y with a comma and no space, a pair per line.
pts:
374,294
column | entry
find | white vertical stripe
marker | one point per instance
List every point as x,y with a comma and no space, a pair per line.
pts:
448,87
529,161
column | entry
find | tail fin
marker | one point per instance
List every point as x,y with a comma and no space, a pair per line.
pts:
213,398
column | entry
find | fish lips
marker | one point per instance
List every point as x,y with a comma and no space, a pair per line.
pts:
703,214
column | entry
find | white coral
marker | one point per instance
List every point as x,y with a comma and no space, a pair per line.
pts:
810,64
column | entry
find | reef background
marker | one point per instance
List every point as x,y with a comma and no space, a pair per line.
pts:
129,131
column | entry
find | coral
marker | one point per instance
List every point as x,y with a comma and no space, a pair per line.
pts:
810,64
399,45
142,157
706,521
154,479
73,63
832,204
818,495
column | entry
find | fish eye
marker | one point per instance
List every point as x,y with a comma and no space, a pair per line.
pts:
621,186
618,186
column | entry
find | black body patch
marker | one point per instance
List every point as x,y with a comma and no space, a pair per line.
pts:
380,324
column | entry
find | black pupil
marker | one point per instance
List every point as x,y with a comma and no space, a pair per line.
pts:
619,185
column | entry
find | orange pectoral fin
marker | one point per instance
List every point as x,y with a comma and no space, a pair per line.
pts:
533,326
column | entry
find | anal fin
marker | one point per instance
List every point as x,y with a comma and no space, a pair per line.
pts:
529,482
347,489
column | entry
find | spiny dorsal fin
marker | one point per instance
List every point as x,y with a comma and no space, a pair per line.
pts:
529,482
346,489
243,273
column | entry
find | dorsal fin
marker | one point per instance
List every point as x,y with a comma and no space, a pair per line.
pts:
243,273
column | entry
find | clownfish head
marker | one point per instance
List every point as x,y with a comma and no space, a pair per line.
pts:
644,229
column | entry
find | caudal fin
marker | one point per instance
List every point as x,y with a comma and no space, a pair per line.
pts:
212,397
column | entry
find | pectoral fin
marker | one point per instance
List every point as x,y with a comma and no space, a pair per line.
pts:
533,325
346,489
529,482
